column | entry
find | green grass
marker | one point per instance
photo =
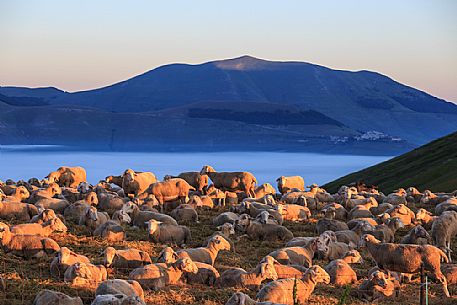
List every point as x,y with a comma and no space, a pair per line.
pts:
432,166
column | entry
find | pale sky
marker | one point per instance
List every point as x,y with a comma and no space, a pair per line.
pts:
85,44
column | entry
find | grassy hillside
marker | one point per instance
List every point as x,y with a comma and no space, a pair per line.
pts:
432,166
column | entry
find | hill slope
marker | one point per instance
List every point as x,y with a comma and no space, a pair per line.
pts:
432,166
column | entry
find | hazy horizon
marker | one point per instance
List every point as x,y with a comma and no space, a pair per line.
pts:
82,45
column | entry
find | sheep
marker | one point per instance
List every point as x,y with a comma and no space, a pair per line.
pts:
185,213
206,254
354,222
117,299
26,245
378,286
293,212
329,223
426,218
397,198
206,275
283,271
264,189
125,259
109,203
299,241
429,198
111,231
239,298
259,231
285,184
404,213
444,229
50,191
386,232
44,216
44,229
231,181
67,176
217,196
136,183
47,297
406,258
255,208
302,256
352,237
222,218
117,180
201,202
382,208
330,249
370,201
240,278
129,288
341,272
280,291
450,271
85,274
359,211
417,235
173,189
18,194
64,259
92,218
159,232
226,230
17,210
58,205
75,210
195,179
156,276
265,217
340,211
140,218
443,206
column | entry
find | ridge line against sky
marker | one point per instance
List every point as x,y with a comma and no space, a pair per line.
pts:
82,45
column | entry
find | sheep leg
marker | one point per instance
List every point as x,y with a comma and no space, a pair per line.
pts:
442,279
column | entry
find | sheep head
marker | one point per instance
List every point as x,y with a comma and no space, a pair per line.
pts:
4,230
421,214
267,271
227,229
207,169
53,177
420,232
55,188
109,255
84,187
379,278
317,275
57,225
367,238
91,198
353,257
91,213
129,175
167,255
220,243
21,193
153,225
186,265
239,298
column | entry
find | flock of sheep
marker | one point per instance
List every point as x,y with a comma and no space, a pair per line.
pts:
356,218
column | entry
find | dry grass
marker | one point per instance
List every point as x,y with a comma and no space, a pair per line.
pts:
24,279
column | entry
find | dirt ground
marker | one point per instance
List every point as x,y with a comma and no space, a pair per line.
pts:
24,279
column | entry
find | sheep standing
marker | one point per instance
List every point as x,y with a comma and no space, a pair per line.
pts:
444,229
231,181
280,291
406,258
135,183
206,254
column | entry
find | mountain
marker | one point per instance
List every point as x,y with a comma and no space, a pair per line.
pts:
432,166
308,107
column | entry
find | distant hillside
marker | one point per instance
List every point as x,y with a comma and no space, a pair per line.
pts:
432,166
294,106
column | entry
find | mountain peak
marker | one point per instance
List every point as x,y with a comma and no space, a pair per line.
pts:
245,62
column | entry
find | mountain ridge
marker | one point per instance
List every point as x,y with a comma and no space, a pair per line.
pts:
361,101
